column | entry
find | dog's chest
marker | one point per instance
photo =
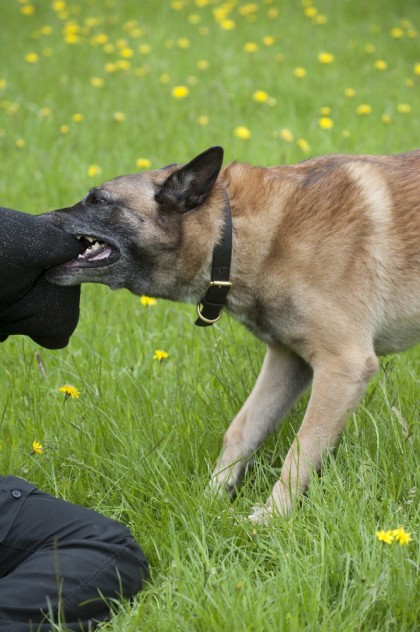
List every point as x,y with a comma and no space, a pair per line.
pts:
271,322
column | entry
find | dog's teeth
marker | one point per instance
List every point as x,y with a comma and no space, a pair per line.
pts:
78,236
90,239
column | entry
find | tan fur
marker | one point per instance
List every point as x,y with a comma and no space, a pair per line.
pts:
325,271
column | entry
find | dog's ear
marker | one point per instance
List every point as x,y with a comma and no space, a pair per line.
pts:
190,186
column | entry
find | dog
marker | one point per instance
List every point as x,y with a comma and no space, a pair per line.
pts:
324,268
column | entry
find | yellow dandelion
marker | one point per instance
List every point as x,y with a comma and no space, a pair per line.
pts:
325,122
145,49
177,5
32,58
164,78
160,355
64,129
380,64
94,170
183,43
28,9
143,163
251,47
325,111
286,135
401,536
396,33
37,447
20,143
403,108
303,145
203,120
363,109
119,117
273,13
325,58
69,391
346,133
45,112
180,92
385,536
3,84
202,64
59,5
417,69
111,67
409,82
268,40
46,30
77,118
147,301
310,12
97,82
127,53
350,93
260,96
193,18
370,48
320,19
227,25
299,72
242,132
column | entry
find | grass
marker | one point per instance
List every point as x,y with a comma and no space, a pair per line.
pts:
139,443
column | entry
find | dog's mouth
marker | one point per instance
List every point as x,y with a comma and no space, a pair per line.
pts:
98,253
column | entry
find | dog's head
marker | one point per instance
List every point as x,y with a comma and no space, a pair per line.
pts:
148,231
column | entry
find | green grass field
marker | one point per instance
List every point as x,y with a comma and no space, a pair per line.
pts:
90,90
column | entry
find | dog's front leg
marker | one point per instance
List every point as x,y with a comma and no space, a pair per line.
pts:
283,377
338,384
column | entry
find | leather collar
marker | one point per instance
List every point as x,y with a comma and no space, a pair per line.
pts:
209,309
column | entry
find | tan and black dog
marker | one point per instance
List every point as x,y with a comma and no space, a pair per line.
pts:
325,270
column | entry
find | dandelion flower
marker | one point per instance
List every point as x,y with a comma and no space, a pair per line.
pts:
227,25
242,132
268,40
363,109
401,536
183,43
202,64
69,391
37,447
325,122
403,108
143,163
148,301
93,170
20,143
251,47
180,92
203,120
64,129
417,69
396,33
160,355
350,93
119,117
3,84
325,58
78,118
386,119
127,53
97,82
286,135
385,536
299,72
303,145
260,96
380,64
32,58
28,9
325,111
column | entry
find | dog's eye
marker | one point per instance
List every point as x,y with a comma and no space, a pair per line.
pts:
95,199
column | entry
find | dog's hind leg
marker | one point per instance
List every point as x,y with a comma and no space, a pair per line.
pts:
283,377
338,383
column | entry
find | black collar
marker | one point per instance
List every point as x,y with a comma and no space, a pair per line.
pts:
209,309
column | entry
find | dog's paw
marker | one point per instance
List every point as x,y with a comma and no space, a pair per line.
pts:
260,515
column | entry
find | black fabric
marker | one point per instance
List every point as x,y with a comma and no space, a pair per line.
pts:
59,558
30,305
